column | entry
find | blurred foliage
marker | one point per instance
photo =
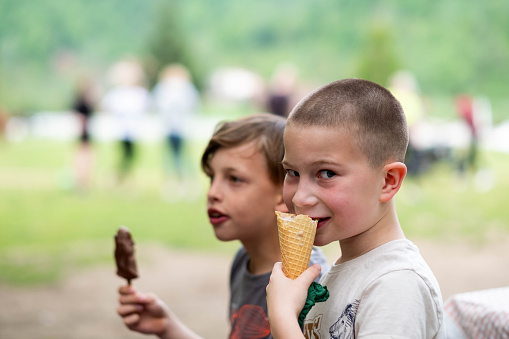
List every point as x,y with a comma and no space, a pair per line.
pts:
378,58
168,43
452,46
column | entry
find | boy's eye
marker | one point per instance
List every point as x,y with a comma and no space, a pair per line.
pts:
326,174
292,173
235,179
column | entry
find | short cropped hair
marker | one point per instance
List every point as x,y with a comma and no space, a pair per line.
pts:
265,129
365,108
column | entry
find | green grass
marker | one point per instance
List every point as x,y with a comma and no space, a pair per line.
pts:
46,227
445,206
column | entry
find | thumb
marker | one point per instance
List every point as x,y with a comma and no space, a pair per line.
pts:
310,274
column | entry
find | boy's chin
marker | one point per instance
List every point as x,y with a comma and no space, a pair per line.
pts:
322,242
223,236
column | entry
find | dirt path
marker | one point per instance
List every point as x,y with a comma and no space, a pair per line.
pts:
82,306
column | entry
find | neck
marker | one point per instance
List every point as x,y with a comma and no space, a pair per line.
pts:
263,255
386,229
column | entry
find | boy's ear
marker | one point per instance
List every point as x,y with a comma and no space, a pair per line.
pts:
394,173
280,205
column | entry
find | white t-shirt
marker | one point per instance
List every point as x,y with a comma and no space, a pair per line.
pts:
127,104
389,292
176,100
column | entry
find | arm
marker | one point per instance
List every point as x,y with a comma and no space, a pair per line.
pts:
285,300
147,314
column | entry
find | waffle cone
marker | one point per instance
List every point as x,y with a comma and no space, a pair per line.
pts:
296,237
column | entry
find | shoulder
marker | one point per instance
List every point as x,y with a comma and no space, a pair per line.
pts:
404,287
399,263
405,283
407,298
395,255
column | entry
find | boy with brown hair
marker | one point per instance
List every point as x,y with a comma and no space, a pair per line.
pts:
345,145
243,162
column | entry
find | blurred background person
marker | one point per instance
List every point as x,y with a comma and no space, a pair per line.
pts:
476,113
465,109
128,101
403,85
281,89
3,123
176,100
83,107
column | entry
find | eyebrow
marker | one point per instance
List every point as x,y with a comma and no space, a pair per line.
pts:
326,162
229,170
224,170
314,163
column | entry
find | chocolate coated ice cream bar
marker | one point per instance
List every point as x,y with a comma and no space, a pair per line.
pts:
124,255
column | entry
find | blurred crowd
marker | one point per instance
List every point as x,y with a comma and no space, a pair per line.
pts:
123,107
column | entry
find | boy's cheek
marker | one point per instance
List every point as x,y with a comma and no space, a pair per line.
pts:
287,198
289,205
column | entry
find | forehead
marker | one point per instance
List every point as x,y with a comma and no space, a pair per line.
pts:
243,155
317,136
317,143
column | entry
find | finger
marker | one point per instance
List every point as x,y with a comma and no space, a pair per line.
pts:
277,269
149,298
277,272
136,298
124,310
132,319
126,289
278,266
310,274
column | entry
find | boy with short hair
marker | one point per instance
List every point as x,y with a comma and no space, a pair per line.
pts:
243,162
345,145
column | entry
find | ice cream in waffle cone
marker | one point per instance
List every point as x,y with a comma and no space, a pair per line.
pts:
296,237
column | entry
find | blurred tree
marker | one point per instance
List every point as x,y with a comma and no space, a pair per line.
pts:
168,43
378,58
450,45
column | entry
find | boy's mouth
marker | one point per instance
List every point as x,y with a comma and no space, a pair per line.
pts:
216,217
321,221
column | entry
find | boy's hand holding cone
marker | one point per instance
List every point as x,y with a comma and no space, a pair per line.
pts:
296,237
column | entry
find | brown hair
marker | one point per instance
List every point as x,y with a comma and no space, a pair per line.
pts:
263,128
369,110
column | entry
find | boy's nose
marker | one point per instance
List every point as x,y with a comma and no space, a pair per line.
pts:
304,196
214,193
